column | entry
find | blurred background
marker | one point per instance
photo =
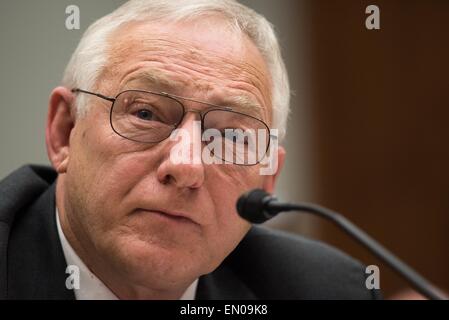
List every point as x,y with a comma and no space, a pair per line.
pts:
368,134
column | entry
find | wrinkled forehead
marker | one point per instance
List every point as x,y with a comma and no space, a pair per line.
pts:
207,55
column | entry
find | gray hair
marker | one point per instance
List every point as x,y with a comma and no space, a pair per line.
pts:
90,57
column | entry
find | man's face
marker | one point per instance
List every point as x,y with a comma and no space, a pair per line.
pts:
126,203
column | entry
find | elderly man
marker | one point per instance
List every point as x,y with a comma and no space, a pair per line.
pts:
118,217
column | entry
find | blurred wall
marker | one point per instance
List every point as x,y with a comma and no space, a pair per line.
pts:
380,108
35,47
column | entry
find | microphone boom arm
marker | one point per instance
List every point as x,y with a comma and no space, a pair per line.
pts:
420,284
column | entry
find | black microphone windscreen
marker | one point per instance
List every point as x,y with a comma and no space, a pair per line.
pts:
251,206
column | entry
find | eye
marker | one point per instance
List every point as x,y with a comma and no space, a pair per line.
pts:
144,114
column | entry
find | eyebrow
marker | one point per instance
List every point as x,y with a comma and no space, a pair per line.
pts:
244,104
152,78
238,103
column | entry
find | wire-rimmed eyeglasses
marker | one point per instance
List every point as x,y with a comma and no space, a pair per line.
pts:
151,117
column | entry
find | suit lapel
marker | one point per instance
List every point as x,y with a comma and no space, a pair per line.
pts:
36,263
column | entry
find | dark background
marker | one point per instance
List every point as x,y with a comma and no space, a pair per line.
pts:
380,134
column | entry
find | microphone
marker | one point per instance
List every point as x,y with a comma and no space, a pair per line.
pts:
258,206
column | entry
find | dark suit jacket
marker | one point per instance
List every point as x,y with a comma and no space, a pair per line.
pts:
266,264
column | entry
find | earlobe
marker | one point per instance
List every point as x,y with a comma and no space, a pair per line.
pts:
62,163
270,181
60,123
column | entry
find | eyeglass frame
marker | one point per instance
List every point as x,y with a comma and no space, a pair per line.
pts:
176,98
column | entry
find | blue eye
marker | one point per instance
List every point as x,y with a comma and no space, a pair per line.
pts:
144,114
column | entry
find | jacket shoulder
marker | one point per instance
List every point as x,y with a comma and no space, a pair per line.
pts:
278,265
19,189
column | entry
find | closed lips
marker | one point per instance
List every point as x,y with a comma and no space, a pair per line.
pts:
173,215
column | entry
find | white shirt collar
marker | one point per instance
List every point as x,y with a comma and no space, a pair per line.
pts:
92,288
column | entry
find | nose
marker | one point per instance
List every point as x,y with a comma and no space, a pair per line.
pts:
190,172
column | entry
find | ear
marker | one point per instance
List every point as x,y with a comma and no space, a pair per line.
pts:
270,181
60,122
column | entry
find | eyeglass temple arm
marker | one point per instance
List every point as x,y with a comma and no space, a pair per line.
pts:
94,94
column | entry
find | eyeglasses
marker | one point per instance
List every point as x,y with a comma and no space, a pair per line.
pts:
151,117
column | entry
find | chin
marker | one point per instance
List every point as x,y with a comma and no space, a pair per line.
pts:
152,263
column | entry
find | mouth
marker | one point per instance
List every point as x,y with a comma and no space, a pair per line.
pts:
169,216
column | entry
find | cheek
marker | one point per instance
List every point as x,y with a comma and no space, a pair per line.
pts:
227,183
102,166
225,186
236,178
